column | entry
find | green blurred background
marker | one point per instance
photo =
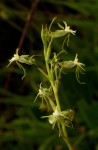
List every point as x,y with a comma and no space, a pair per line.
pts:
21,127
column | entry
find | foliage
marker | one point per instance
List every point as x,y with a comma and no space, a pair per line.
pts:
20,124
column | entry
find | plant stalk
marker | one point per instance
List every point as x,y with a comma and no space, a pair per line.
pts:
65,138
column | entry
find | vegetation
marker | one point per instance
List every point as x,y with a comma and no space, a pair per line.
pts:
21,125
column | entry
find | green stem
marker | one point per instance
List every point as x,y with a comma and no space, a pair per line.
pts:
54,87
65,137
51,77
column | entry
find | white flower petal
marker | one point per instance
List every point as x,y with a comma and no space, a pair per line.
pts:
51,119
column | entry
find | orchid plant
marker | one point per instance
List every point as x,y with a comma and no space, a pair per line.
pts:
54,69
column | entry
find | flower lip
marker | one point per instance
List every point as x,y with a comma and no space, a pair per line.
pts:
15,58
54,117
68,30
77,63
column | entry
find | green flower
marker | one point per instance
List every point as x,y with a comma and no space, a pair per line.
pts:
63,117
60,118
64,30
44,94
24,59
70,64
